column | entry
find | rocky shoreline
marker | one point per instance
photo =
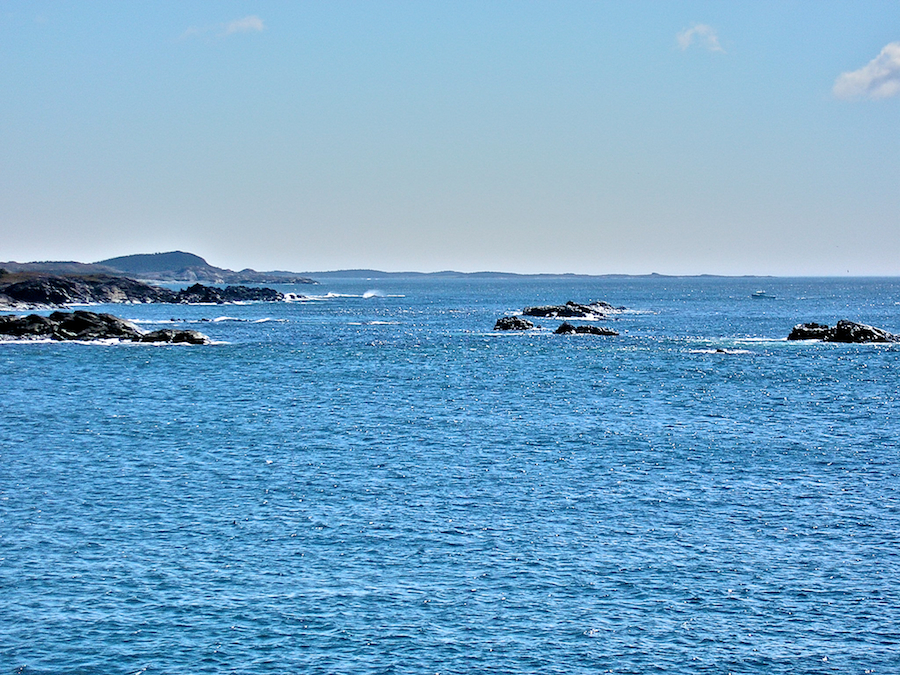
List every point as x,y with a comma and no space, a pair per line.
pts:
90,326
47,291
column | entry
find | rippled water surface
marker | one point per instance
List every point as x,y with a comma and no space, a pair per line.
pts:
375,481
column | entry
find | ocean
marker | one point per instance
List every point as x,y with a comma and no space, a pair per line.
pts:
373,480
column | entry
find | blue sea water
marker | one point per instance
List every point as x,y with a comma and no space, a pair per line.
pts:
374,481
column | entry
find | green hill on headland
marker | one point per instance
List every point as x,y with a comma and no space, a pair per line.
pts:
181,266
148,263
174,266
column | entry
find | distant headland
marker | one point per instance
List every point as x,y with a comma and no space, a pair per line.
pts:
174,267
130,279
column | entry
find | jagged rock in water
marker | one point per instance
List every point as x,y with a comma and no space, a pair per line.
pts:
32,325
565,328
198,293
513,323
570,310
844,331
81,325
192,337
87,326
809,331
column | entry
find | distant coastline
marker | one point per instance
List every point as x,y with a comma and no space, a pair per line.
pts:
449,274
182,267
172,267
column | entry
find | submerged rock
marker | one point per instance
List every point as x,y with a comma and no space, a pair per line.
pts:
844,331
565,328
513,323
88,326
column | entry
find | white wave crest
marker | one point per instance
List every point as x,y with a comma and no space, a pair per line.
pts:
720,350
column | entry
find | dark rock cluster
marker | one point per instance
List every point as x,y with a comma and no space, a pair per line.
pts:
513,323
88,326
211,294
844,331
570,310
56,291
593,311
565,328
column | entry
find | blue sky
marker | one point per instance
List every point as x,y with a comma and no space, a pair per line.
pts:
590,137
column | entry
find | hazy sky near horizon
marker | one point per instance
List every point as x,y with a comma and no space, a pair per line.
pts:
526,136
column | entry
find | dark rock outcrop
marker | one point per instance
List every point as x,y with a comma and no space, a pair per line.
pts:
191,337
570,310
198,293
26,326
844,331
565,328
809,331
56,291
513,323
88,326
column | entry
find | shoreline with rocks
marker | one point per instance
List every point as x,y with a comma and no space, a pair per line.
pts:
84,326
39,292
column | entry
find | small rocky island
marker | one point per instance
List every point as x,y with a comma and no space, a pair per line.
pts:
565,328
513,323
844,331
573,310
89,326
593,311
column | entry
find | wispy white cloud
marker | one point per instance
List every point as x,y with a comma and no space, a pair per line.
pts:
703,35
249,24
879,78
192,31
